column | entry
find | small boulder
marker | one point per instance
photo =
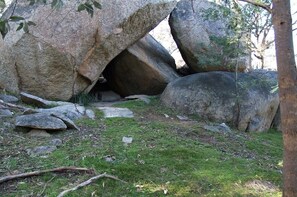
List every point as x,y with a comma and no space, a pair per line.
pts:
221,128
41,150
40,121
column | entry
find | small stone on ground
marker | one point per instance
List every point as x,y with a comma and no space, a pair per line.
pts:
90,114
41,150
56,142
183,118
221,128
127,140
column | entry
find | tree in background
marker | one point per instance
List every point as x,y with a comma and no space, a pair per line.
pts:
248,23
257,21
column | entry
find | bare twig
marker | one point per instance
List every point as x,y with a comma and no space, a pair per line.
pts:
36,173
192,3
15,3
259,4
45,185
85,183
13,105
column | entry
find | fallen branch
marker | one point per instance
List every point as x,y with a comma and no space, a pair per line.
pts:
85,183
36,173
13,105
259,4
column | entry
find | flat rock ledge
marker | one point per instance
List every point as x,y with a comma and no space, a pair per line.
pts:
113,112
40,121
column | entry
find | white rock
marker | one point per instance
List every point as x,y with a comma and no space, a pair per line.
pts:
112,112
127,140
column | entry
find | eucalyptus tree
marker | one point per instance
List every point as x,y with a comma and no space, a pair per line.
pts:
248,23
287,80
258,22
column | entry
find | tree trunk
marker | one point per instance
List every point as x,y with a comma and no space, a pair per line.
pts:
287,77
262,62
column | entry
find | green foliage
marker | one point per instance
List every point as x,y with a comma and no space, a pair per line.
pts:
32,2
23,24
57,4
4,27
89,7
244,19
224,51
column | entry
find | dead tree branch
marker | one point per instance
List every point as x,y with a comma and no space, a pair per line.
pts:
10,105
36,173
85,183
259,4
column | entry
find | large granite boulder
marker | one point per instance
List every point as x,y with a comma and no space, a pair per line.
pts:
8,71
203,42
66,51
144,68
246,102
